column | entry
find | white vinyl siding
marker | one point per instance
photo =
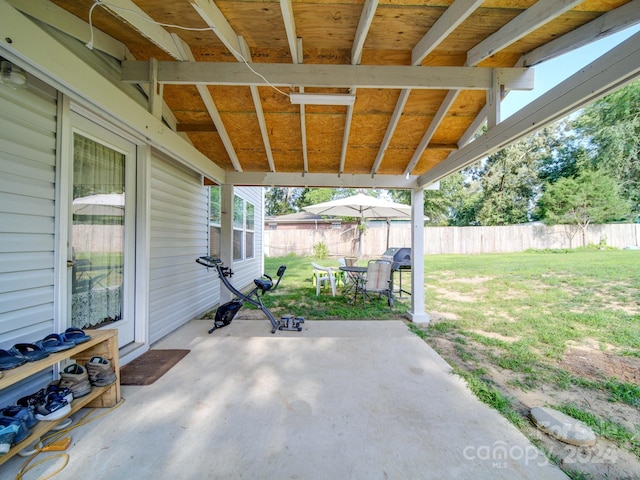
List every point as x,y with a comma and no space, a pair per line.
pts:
27,226
179,289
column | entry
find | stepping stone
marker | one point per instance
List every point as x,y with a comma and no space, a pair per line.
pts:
563,427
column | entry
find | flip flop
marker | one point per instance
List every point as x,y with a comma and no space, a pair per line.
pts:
75,335
55,343
30,351
8,361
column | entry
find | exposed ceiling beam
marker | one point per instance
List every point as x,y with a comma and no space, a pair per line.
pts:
433,126
453,16
213,17
290,27
391,127
368,11
345,76
540,13
257,103
69,74
53,15
283,179
210,105
607,24
366,17
131,14
608,73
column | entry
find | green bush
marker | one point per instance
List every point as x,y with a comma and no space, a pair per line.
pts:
320,250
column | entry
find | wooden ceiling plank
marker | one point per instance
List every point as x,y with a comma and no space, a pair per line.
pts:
213,17
433,126
368,12
244,50
453,16
609,23
207,99
290,27
327,75
391,128
448,21
532,18
366,17
53,15
130,13
612,71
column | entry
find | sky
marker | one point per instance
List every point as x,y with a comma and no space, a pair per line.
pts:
550,73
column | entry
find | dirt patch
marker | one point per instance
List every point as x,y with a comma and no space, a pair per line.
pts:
587,360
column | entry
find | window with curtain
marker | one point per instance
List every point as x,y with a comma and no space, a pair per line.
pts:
97,233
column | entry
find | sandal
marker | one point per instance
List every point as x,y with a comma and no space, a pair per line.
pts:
55,343
8,361
75,335
30,351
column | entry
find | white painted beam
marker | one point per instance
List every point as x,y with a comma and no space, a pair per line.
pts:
130,13
540,13
455,14
433,126
290,27
55,16
212,15
345,136
212,109
393,123
22,39
610,72
284,179
607,24
368,12
257,103
340,76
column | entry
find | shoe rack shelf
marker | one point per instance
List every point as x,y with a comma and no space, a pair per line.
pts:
103,343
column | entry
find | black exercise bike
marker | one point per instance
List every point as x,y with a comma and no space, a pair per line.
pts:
226,312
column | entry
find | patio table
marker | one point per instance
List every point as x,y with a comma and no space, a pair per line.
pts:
357,275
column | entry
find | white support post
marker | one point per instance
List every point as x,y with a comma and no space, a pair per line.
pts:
417,313
226,235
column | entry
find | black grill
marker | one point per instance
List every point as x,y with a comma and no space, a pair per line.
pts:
399,256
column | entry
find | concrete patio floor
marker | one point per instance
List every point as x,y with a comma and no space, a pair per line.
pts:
339,400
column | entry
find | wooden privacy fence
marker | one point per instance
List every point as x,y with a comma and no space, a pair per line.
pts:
438,240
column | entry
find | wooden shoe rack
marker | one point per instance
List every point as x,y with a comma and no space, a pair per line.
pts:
103,343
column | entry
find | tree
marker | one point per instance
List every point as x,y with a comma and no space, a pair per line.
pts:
612,127
281,201
590,197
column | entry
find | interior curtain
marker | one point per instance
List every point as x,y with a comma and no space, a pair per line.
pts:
97,233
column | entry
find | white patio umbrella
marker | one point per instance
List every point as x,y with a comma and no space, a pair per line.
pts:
100,204
362,206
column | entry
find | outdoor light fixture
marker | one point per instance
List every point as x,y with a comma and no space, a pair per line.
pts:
11,75
322,99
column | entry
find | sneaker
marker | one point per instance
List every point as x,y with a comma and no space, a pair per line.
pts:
32,400
100,372
24,414
75,378
21,433
7,436
64,392
52,406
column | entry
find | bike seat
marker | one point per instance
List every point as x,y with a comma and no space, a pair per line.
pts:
263,284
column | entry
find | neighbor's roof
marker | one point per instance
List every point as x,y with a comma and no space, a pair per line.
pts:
421,71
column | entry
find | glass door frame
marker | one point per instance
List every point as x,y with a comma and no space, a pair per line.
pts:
83,126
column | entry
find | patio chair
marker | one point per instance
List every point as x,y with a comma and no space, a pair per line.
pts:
323,275
377,280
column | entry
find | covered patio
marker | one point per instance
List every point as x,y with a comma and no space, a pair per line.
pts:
349,400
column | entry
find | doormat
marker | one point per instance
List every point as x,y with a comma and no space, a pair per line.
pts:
150,366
